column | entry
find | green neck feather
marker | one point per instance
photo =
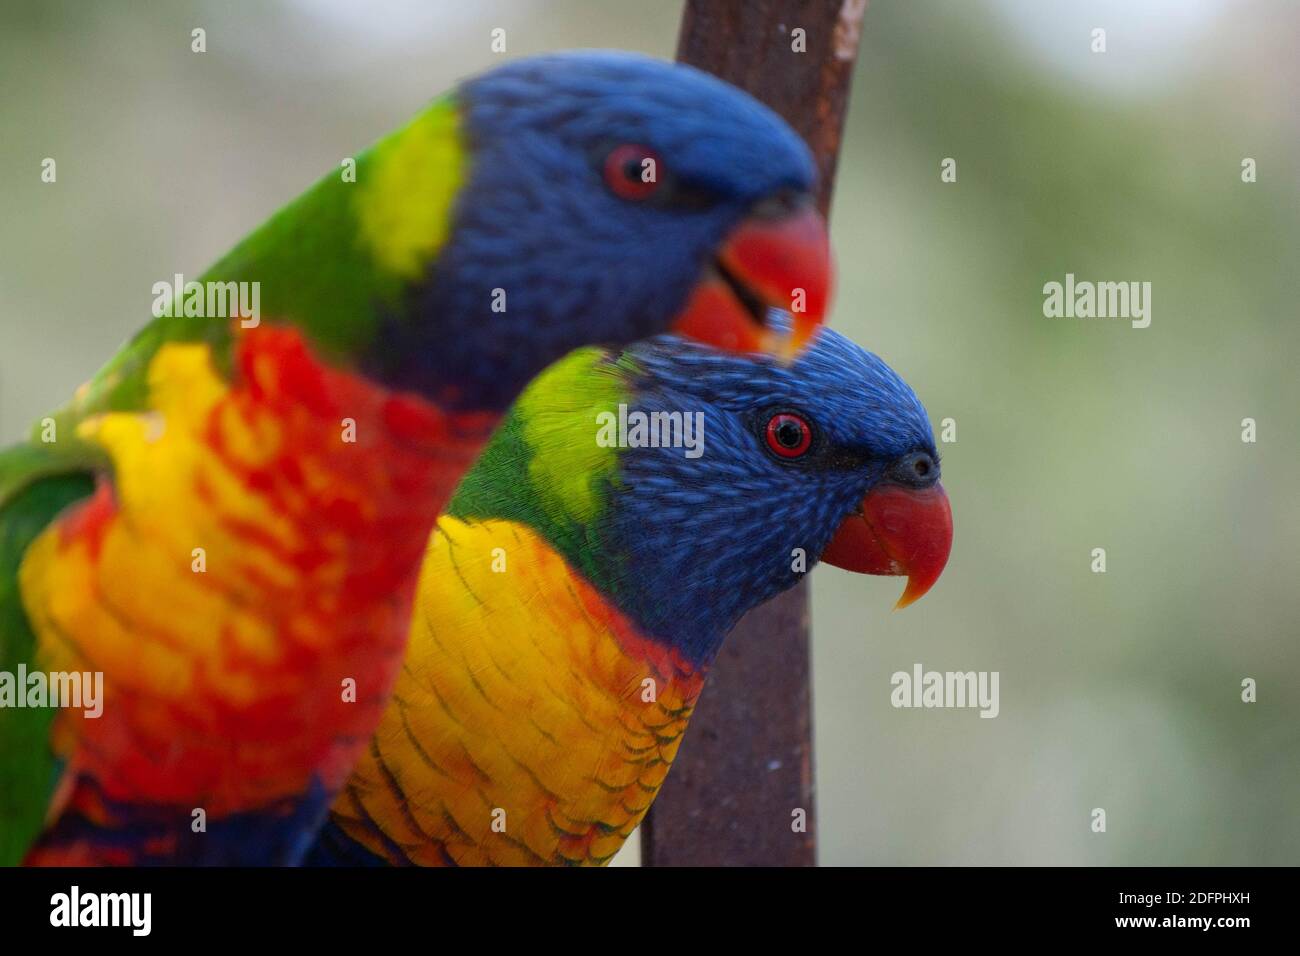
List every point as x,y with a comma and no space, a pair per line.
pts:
544,467
330,260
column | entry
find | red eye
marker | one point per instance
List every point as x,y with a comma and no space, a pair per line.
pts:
788,435
633,172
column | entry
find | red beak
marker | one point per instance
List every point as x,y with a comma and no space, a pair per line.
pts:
897,530
777,258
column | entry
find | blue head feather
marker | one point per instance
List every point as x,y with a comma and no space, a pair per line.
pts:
536,219
693,544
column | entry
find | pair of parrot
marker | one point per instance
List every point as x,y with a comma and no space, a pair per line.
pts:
316,645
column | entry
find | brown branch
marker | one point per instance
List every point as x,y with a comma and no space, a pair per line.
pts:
747,761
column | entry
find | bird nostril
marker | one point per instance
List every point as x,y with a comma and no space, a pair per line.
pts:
780,204
918,469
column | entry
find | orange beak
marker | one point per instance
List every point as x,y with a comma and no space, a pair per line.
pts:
775,259
897,530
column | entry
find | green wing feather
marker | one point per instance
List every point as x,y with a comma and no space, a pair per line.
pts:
30,770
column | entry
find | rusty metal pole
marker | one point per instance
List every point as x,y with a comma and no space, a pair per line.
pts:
746,764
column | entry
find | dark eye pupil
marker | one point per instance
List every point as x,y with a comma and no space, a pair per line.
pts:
789,434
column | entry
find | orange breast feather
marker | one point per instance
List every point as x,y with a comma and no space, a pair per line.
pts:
255,550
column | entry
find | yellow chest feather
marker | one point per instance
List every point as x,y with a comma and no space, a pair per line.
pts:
530,724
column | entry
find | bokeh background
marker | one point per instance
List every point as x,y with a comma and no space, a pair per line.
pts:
1118,690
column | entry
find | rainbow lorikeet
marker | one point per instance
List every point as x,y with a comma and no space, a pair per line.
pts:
575,594
227,521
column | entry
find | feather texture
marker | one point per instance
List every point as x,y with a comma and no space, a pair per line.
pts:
503,744
288,558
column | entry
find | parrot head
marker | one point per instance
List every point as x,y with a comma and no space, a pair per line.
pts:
828,458
610,197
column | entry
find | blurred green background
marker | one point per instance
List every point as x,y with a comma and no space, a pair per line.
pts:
1118,690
